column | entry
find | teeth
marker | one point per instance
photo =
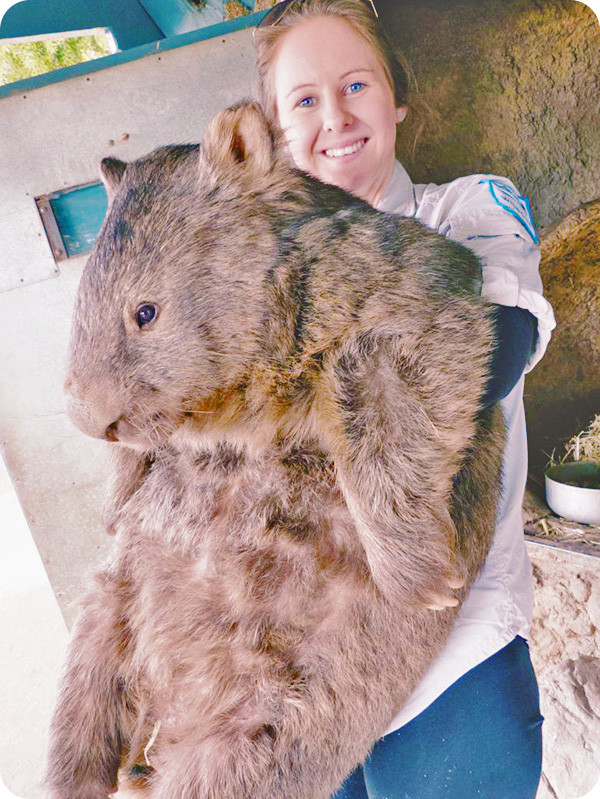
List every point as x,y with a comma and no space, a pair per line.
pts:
337,152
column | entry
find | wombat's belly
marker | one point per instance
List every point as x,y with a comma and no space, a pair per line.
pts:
249,592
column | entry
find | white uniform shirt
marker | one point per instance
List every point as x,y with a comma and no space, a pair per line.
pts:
486,214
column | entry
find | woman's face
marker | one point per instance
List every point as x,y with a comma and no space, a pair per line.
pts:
335,106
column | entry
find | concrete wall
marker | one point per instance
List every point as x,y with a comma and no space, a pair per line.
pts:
54,137
33,639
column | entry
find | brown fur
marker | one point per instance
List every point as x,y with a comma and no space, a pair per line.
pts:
302,468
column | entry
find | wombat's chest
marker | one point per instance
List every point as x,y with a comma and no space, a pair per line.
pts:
230,558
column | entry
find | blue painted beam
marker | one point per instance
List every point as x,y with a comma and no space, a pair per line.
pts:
178,16
128,20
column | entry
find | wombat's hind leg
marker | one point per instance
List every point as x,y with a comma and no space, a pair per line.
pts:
86,736
301,755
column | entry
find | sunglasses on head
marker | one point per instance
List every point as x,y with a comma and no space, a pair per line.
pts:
274,14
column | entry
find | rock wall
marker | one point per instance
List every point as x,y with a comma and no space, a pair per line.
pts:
562,394
512,87
565,650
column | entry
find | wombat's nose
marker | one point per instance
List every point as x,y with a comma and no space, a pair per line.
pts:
111,432
89,421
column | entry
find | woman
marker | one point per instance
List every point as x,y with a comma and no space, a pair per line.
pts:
335,92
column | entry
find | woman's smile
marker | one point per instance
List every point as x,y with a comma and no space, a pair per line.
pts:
345,150
336,107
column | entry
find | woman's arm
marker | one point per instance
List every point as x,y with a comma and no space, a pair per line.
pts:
516,339
487,214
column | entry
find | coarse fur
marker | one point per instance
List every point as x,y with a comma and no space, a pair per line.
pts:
291,385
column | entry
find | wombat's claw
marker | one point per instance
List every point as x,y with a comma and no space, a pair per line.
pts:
456,582
440,601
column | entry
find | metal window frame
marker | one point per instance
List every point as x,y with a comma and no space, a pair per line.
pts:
58,245
55,240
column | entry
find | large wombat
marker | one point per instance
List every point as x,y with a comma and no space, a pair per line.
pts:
292,382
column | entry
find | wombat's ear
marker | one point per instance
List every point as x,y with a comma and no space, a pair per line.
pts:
239,139
111,172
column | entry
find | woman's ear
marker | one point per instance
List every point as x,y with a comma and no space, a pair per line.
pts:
401,113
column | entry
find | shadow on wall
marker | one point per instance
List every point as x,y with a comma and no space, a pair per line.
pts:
512,87
563,392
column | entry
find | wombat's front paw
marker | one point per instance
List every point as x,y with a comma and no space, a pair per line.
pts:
446,599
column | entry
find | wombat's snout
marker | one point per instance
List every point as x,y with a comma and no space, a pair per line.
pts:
89,420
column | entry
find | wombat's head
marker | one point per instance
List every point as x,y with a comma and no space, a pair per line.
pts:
171,300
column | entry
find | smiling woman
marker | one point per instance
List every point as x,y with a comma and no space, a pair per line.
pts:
339,119
356,99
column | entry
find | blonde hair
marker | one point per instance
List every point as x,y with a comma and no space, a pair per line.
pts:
358,15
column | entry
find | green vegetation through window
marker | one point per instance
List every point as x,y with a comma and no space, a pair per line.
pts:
25,59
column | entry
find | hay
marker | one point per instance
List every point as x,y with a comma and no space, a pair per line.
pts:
585,446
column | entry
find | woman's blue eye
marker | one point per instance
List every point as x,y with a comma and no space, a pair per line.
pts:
355,87
306,102
146,313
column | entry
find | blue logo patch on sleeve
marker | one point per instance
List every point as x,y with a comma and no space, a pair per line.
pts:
516,205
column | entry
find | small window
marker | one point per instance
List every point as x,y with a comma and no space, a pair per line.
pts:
72,218
27,56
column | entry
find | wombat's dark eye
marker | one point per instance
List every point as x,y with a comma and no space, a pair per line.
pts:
146,313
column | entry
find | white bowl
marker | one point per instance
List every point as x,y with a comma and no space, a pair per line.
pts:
574,502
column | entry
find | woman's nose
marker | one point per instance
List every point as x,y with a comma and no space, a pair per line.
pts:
336,115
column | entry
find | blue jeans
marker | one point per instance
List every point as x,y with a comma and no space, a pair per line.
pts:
481,738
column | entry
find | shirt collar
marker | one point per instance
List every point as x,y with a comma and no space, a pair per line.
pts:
399,197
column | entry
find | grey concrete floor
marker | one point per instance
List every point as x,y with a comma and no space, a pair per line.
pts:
33,637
